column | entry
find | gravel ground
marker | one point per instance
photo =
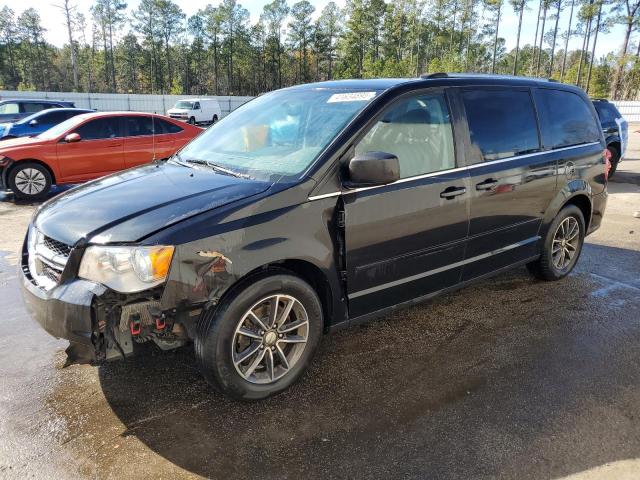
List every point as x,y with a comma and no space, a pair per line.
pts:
512,378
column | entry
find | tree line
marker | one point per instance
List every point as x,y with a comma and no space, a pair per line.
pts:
156,48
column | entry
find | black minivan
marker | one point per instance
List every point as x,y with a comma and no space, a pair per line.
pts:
315,207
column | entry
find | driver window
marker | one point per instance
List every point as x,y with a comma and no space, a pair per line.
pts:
196,106
418,131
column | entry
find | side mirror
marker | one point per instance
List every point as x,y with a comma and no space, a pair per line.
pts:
373,168
33,122
72,138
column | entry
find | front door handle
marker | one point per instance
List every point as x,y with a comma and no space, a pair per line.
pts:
488,184
452,192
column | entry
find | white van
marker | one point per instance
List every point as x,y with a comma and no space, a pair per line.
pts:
196,110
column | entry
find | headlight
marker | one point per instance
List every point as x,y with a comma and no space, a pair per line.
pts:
126,269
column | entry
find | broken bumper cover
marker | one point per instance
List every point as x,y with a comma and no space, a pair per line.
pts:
66,310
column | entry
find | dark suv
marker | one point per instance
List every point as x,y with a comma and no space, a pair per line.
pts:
13,110
615,129
316,207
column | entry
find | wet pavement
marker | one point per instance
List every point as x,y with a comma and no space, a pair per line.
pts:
512,378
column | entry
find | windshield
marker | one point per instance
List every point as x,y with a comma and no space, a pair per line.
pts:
277,135
184,104
60,128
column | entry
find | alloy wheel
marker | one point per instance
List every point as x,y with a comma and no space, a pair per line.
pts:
566,242
30,181
270,339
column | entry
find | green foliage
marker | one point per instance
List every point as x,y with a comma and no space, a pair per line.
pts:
152,47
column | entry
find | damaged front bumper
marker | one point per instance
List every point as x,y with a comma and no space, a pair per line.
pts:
66,310
99,323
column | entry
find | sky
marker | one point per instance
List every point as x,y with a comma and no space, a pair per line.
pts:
56,33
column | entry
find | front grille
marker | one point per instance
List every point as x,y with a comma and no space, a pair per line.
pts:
51,273
58,247
47,259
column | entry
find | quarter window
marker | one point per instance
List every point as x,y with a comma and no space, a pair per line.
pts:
502,123
100,129
162,126
565,119
416,130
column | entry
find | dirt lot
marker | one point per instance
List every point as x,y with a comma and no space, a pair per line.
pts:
509,379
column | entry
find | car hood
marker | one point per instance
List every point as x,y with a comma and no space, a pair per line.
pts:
12,143
129,205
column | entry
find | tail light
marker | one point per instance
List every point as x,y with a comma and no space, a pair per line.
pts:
607,163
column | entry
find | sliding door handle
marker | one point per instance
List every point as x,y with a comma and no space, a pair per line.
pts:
488,184
452,192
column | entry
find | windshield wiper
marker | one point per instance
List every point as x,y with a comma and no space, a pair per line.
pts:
217,168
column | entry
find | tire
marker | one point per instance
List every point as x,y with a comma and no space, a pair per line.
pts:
547,266
192,120
615,159
29,181
214,119
220,344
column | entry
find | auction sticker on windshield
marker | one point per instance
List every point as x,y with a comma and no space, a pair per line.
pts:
351,97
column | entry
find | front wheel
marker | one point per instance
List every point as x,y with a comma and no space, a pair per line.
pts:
214,119
261,340
192,120
562,245
29,181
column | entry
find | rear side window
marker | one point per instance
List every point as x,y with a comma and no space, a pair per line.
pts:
606,111
565,119
162,126
502,123
35,107
100,129
138,126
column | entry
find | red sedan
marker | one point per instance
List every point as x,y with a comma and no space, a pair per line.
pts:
88,146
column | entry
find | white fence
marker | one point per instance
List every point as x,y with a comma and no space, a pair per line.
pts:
124,101
629,109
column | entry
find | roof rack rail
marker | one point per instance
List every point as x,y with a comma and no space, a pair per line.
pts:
435,75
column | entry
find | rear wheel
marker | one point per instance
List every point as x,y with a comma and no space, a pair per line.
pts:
562,245
262,339
29,181
615,159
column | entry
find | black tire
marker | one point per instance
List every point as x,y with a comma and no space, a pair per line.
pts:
615,159
216,336
544,268
214,119
192,120
41,181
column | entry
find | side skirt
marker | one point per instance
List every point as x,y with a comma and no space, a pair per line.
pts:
410,303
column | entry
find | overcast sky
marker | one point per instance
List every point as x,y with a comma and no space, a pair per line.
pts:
52,20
